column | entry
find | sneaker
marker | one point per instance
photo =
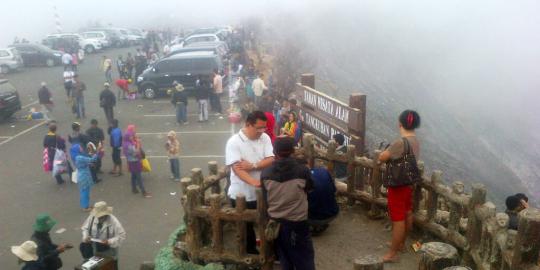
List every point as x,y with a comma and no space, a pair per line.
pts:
171,177
147,195
177,180
135,191
185,123
220,117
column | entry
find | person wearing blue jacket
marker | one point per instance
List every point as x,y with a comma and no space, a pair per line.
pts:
84,176
323,207
115,134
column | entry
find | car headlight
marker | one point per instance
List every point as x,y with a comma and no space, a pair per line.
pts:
140,79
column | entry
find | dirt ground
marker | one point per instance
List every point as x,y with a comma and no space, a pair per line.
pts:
351,236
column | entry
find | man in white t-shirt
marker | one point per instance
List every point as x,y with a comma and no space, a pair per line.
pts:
67,60
68,82
258,87
247,153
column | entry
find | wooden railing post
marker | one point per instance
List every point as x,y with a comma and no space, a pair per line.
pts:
217,228
474,224
376,183
240,226
417,196
433,197
198,179
331,155
265,248
351,172
213,171
193,233
309,149
527,244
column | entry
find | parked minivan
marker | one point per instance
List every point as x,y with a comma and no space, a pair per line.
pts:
9,99
183,68
101,36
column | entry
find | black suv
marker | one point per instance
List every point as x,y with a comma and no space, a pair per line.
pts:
183,68
38,55
9,99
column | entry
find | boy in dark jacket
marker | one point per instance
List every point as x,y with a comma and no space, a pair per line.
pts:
107,101
180,101
48,252
285,185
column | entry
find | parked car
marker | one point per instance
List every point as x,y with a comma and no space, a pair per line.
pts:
132,37
58,42
218,48
199,38
101,36
38,55
9,99
183,68
116,38
10,60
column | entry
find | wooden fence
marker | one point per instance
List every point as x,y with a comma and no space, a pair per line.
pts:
467,221
206,212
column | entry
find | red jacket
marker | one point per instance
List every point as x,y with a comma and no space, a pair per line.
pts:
270,125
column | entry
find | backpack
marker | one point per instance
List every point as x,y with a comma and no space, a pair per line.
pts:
402,171
59,163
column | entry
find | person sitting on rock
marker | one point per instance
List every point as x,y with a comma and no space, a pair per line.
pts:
514,205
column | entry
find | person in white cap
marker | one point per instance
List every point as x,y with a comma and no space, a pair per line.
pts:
103,230
27,254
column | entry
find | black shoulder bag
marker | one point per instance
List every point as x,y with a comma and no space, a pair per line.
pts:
87,251
402,171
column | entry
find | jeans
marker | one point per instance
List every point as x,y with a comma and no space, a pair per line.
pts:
203,110
294,247
108,75
251,238
136,181
109,114
79,107
59,179
85,197
175,167
181,112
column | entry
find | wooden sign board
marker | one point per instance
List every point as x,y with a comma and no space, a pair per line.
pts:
325,116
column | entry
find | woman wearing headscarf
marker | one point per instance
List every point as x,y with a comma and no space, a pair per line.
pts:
132,148
84,176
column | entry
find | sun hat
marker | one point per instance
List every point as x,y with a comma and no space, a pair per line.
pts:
106,84
101,209
44,223
27,251
179,87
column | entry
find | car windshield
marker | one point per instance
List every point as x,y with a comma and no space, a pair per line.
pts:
6,88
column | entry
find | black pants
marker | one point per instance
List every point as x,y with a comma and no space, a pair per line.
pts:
109,114
251,238
294,246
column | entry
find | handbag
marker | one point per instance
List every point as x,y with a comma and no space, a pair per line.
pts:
146,165
402,171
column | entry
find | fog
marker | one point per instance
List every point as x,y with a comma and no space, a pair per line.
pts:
469,67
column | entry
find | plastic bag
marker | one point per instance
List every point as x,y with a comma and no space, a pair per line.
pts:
146,165
74,177
60,162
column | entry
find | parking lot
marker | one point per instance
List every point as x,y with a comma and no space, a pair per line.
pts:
27,190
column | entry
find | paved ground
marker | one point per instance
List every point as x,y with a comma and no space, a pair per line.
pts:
27,190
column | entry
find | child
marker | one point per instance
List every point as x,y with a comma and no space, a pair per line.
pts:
173,150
